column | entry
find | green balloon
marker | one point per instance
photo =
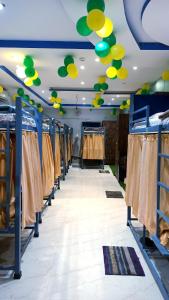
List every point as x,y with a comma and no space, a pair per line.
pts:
28,61
32,102
124,102
26,97
97,87
144,92
54,94
95,4
104,86
114,78
114,111
30,72
68,60
38,105
117,64
111,40
62,71
102,49
82,27
37,82
20,92
100,101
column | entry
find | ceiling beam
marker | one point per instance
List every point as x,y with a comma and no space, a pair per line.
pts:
60,89
46,44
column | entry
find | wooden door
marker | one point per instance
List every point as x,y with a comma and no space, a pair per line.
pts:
110,141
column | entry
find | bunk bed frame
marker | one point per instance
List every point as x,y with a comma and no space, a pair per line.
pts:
86,128
142,107
14,230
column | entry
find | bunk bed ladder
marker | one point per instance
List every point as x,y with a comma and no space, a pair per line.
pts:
160,214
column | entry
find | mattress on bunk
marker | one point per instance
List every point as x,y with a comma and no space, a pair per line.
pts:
11,117
93,147
141,183
32,197
154,120
47,165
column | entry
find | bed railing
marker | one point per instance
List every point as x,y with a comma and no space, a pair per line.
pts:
144,120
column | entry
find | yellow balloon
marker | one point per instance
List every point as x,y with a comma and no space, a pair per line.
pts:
61,113
14,97
122,73
94,102
106,30
28,82
146,86
128,102
52,99
35,76
72,71
1,89
102,79
165,75
118,51
98,96
40,109
58,100
138,92
95,19
121,107
111,72
56,105
97,106
23,104
107,59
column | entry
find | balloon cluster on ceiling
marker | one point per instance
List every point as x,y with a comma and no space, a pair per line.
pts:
69,68
125,105
28,72
101,85
1,89
57,102
97,102
145,90
107,49
21,93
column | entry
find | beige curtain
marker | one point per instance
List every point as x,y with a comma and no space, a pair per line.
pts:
57,157
93,146
142,178
32,196
47,165
2,184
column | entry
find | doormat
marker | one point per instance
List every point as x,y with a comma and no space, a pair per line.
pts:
104,171
114,194
121,261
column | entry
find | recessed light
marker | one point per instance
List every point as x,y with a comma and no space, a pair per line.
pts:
2,6
135,68
112,99
82,67
82,82
97,59
43,91
83,98
118,96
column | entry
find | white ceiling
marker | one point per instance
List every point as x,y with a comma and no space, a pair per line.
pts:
55,20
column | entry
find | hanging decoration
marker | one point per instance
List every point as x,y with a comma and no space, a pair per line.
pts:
57,102
1,89
101,85
28,72
21,93
125,105
69,68
108,51
145,90
114,111
165,75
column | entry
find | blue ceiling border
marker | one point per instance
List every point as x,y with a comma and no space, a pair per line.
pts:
89,105
46,44
142,45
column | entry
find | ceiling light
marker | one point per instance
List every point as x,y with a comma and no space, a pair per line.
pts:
82,82
82,67
112,99
83,98
118,96
97,59
20,72
43,91
2,6
135,68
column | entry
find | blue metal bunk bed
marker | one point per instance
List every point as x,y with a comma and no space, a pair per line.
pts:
91,128
141,122
14,229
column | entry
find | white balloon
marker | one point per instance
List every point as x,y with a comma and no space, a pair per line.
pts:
20,72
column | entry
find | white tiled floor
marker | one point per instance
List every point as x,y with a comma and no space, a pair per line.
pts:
66,262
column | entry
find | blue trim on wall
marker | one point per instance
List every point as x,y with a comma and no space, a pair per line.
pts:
12,75
88,105
46,44
62,89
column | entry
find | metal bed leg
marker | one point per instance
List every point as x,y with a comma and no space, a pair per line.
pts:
53,193
40,218
58,183
50,201
128,215
36,233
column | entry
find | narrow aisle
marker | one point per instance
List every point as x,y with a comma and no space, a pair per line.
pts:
66,262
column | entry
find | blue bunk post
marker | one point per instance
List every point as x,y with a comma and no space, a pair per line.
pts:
82,137
104,148
38,117
64,151
52,132
17,269
8,185
158,180
60,162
